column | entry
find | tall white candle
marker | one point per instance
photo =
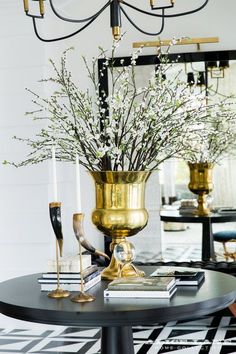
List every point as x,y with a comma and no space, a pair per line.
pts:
78,192
54,174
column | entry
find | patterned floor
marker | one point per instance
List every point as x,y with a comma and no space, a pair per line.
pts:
206,335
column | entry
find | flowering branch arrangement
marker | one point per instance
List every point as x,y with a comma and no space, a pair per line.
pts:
214,135
131,128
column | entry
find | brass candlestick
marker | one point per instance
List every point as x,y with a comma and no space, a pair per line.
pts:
55,216
79,233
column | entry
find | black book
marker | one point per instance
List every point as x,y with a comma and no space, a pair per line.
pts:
182,277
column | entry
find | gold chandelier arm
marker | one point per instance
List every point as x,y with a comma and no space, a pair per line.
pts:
81,20
58,38
167,16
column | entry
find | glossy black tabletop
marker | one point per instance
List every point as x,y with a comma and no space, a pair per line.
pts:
176,216
21,298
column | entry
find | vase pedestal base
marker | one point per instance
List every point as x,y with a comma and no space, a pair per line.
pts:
115,270
202,209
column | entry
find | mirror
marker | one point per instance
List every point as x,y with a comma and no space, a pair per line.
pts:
217,71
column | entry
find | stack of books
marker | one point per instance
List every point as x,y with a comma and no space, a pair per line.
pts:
183,278
141,287
187,206
70,276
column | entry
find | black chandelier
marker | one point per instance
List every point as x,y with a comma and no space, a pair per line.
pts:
117,8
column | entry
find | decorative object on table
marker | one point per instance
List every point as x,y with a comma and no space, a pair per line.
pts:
120,211
118,135
55,216
117,9
188,278
79,233
201,184
71,281
124,253
187,206
78,219
151,287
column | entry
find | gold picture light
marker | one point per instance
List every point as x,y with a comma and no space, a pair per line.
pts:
181,41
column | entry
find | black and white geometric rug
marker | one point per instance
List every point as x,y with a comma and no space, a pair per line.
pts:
206,335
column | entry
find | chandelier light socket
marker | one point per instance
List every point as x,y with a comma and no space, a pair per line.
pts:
26,6
41,7
116,31
115,19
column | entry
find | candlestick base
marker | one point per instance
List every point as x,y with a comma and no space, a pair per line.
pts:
83,297
58,294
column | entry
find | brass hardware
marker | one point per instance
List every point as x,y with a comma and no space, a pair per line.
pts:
119,211
41,7
26,6
116,32
152,2
78,230
201,184
59,293
54,204
183,41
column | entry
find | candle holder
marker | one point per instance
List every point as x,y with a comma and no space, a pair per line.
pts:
79,234
55,216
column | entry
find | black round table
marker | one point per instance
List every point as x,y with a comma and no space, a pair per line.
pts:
21,298
208,252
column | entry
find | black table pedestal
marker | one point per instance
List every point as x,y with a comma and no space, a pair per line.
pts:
117,340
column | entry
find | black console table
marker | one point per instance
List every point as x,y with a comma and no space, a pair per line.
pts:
21,298
208,252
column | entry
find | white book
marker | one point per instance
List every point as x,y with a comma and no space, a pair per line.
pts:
72,287
68,280
140,293
71,275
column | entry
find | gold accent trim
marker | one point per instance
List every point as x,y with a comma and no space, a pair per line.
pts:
26,6
116,32
41,7
59,293
183,41
54,204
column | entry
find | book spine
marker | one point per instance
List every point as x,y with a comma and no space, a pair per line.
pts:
135,288
67,280
72,287
139,294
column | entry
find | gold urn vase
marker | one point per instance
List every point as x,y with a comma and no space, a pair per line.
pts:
120,211
201,184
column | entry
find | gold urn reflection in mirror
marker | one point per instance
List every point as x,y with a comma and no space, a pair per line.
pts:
201,184
120,211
